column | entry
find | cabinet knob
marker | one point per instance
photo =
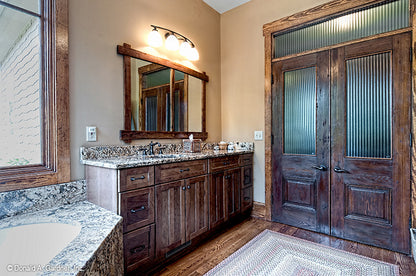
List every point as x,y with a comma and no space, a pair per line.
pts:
246,198
138,209
184,188
188,187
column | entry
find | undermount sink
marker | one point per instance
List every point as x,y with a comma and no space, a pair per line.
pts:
161,156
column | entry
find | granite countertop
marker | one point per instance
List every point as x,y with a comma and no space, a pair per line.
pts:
96,224
122,162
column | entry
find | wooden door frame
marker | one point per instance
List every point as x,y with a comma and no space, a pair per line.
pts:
314,15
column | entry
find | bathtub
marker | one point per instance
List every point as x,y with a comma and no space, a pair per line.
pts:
27,249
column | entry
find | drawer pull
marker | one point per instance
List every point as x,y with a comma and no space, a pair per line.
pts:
184,188
247,159
137,210
184,170
226,163
246,198
189,187
141,177
227,176
137,249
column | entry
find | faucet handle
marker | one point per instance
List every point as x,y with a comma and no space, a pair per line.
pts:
144,151
160,149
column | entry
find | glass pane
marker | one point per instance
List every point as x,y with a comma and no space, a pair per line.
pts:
179,75
167,111
299,111
156,78
369,93
363,23
20,89
151,113
176,111
30,5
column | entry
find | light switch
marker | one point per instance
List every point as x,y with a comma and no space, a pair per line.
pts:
91,134
258,135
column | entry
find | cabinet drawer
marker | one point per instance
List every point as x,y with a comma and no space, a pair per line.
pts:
139,247
223,163
246,198
137,208
247,176
175,171
135,178
246,159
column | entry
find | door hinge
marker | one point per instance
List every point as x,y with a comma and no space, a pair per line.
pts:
272,79
272,139
411,54
410,142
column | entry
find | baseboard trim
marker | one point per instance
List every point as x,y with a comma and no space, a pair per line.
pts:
259,210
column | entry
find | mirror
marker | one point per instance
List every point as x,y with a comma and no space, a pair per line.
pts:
162,99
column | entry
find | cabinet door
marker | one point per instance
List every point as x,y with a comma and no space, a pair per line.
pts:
170,216
232,184
196,206
217,212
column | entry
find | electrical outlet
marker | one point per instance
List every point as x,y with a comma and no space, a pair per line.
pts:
258,135
91,133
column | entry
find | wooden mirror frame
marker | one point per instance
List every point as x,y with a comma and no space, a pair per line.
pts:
127,135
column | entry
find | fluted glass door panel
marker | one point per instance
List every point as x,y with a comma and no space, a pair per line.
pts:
369,99
300,111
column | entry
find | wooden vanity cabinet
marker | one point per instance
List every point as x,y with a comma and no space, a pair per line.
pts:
225,189
181,205
167,207
131,194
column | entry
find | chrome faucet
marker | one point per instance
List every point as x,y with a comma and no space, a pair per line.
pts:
151,145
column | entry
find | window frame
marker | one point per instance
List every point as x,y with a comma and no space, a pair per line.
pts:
55,167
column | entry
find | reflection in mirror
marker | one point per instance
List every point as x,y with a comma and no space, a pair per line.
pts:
151,100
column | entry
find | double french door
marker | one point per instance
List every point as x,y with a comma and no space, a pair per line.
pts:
341,142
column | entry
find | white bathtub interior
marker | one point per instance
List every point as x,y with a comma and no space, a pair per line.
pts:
33,244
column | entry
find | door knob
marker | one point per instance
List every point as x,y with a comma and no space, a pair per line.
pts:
321,168
339,170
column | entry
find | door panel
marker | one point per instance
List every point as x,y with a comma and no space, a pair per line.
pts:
196,206
370,101
301,144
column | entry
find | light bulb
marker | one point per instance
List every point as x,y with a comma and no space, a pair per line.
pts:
172,43
155,39
184,48
193,54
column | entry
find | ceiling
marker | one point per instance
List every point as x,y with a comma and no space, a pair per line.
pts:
222,6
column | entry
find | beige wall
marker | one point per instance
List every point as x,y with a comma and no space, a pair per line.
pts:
242,73
96,27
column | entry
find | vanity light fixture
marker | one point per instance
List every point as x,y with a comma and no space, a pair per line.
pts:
186,48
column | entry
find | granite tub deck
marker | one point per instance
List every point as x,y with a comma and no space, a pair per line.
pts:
97,250
127,161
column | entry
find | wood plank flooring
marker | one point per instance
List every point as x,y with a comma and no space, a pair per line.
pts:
209,254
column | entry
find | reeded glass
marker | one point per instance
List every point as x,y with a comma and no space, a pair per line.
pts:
151,113
379,19
300,111
369,96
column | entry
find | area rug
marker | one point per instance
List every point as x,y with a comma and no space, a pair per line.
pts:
272,253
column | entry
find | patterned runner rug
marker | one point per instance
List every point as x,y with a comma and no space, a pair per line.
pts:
272,253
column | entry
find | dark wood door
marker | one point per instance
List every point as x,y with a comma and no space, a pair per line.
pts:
361,151
197,203
301,142
170,216
232,179
217,210
370,106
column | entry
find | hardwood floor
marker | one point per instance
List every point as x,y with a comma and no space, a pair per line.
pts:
209,254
